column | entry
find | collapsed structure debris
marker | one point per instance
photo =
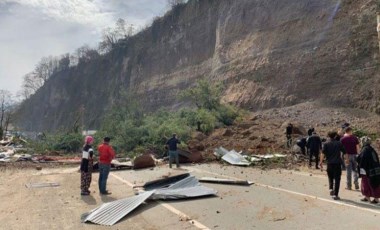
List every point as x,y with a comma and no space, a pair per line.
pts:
225,181
236,158
177,187
42,185
188,187
163,182
110,213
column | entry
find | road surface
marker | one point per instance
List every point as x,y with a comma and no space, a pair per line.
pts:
279,199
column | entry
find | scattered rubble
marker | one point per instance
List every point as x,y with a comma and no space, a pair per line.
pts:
165,189
224,181
42,185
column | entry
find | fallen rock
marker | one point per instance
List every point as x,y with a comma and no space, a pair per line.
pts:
228,133
144,161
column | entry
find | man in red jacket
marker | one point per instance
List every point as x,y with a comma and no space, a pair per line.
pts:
106,154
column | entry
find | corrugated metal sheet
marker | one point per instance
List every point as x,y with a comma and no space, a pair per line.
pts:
225,181
219,152
42,185
165,182
112,212
186,188
270,156
235,158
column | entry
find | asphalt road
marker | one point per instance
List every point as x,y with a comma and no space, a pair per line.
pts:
278,200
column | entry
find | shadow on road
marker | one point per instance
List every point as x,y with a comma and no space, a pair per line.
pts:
90,200
107,199
361,204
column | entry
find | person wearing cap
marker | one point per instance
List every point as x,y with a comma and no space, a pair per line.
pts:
351,145
86,166
106,154
367,160
172,146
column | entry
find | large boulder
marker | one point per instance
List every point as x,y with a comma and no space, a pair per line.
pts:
192,156
144,161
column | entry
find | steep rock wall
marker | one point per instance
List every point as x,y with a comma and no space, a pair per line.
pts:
269,53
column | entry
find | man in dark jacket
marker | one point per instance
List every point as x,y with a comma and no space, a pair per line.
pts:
289,132
333,151
314,144
172,146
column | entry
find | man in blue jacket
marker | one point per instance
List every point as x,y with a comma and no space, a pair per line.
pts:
172,146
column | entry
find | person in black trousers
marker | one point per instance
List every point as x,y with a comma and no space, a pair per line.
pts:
289,132
333,150
314,144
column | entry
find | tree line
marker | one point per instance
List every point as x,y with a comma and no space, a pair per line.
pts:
48,66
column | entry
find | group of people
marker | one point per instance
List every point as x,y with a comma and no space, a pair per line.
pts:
344,151
106,155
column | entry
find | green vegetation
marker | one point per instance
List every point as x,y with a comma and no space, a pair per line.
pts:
68,143
361,133
133,132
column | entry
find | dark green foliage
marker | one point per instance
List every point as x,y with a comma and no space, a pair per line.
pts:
133,132
206,98
204,95
69,143
227,114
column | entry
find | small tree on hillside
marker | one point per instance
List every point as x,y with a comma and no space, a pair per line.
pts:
204,95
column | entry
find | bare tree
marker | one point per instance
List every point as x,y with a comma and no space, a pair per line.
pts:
111,36
85,53
173,3
45,68
5,111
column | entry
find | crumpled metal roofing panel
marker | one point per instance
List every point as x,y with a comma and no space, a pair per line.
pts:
235,158
165,182
112,212
219,152
186,188
225,181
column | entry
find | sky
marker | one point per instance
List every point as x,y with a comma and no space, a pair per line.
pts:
32,29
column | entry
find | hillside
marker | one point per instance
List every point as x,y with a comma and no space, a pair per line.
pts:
268,54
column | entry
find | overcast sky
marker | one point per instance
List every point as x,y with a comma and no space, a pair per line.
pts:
32,29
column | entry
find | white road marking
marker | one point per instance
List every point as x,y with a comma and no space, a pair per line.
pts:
195,223
340,203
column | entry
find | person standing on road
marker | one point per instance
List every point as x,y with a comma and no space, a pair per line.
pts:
289,132
172,146
314,144
333,151
106,154
351,145
86,166
367,160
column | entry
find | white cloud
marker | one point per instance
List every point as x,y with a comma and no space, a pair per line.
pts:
32,29
76,11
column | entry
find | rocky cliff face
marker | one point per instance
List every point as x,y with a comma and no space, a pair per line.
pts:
269,53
